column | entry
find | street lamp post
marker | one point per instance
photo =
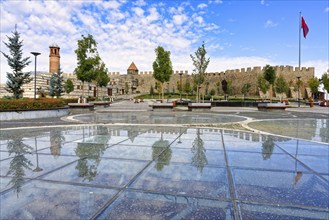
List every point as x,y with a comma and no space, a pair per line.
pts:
298,77
180,86
35,72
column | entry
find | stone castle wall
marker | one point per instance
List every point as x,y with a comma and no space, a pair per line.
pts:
133,84
238,78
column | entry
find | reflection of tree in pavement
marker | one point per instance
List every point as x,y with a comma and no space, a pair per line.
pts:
157,148
56,140
19,163
268,146
90,157
199,159
324,131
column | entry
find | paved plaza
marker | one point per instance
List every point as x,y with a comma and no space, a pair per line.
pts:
128,162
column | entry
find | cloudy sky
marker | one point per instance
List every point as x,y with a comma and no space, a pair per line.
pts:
237,34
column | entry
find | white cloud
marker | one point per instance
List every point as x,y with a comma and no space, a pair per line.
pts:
321,66
326,9
202,6
270,24
154,15
262,2
179,19
215,1
140,3
218,64
111,4
139,11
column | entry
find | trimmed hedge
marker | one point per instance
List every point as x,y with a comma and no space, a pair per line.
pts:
30,104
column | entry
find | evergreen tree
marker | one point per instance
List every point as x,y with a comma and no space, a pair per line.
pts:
56,87
68,86
162,67
200,63
16,62
19,163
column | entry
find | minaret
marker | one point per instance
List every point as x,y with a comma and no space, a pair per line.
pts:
54,58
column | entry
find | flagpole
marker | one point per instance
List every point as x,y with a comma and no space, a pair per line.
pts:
300,27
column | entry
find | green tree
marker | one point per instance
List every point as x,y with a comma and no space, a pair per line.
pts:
90,157
56,87
16,62
218,87
126,88
161,153
102,79
152,91
325,81
245,89
88,60
267,148
281,86
224,87
230,87
313,83
162,67
212,92
187,88
19,163
68,86
269,76
263,85
200,63
199,158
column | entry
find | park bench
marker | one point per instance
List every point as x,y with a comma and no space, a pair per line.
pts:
271,106
102,103
199,106
81,107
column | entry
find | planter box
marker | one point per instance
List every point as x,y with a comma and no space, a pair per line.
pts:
271,106
199,106
32,114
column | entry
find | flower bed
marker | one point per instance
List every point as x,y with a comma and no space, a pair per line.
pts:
30,104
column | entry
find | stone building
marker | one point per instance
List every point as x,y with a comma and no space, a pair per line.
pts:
136,82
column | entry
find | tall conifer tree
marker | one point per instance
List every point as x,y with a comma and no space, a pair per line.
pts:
16,62
56,85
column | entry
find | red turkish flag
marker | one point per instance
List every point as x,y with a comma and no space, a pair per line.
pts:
304,26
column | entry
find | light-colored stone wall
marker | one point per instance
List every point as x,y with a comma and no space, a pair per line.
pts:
141,83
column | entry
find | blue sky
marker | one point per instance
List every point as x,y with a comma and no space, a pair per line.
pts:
237,34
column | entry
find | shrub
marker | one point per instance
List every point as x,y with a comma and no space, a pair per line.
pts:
30,104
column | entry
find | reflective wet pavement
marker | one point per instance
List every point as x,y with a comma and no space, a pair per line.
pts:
150,117
149,172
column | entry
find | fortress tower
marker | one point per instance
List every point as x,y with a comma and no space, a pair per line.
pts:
132,69
54,58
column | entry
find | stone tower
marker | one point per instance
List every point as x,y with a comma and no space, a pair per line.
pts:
132,69
54,58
